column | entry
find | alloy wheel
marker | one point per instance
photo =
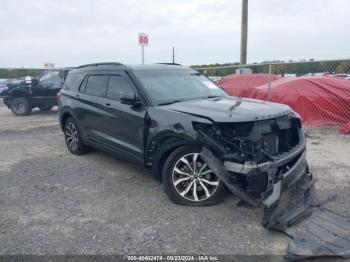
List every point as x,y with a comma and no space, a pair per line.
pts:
72,138
193,179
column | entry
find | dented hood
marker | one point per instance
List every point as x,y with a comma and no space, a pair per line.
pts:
230,109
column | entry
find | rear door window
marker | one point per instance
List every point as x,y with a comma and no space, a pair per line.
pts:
96,85
118,84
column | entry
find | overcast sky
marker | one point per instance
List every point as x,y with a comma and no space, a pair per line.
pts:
75,32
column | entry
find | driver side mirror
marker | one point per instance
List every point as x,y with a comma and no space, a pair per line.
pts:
130,99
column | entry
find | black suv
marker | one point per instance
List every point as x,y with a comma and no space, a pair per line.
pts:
24,94
197,140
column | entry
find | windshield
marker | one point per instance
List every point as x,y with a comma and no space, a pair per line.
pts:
169,86
49,75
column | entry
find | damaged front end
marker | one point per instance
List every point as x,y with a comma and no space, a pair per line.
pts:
262,162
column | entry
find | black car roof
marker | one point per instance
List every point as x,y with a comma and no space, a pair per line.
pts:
155,67
116,65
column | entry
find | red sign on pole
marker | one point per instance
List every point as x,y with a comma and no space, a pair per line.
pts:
49,65
143,39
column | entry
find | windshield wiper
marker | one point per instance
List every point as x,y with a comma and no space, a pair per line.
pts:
169,102
178,100
213,96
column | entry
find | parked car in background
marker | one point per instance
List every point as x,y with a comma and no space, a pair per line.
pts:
5,85
341,75
24,94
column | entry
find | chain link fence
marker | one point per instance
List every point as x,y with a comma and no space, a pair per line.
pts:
318,90
290,69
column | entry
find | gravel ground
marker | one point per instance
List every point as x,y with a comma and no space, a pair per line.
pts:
52,202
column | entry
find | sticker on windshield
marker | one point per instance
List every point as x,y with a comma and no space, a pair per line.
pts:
210,85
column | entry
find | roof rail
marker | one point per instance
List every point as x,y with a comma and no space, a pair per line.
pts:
168,64
97,64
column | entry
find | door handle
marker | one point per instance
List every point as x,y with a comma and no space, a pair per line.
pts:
108,104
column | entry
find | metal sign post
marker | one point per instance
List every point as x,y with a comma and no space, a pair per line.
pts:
143,41
244,32
269,84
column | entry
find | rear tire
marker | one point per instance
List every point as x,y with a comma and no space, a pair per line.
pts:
189,181
72,137
45,107
20,106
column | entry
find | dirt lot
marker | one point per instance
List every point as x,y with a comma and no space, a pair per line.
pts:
52,202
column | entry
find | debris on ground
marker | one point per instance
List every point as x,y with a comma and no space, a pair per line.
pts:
324,233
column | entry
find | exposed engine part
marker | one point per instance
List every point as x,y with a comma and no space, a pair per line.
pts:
249,150
255,142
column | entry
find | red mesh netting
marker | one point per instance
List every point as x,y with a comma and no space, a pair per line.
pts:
319,100
235,84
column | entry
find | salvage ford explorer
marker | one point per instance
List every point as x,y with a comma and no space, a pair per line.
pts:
196,139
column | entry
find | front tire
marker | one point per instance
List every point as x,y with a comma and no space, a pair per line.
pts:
189,181
72,137
20,106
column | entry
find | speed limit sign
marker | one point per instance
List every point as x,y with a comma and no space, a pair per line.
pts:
143,39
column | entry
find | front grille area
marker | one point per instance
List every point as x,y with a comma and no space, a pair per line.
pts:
257,141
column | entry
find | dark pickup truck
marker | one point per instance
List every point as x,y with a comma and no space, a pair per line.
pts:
23,94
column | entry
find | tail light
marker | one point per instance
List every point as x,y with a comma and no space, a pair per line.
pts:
59,94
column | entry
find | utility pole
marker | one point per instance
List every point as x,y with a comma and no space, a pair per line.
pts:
244,32
173,55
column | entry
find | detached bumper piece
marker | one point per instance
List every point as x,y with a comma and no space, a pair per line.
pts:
290,197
